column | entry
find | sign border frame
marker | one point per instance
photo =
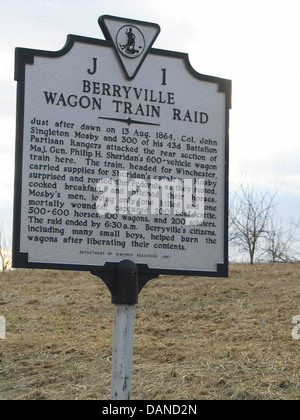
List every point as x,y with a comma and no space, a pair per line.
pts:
25,56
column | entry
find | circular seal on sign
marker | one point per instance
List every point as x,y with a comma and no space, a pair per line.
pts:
130,41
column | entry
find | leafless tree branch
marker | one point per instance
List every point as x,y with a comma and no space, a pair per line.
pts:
5,250
250,211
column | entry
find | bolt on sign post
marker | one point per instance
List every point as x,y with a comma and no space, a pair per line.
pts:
121,167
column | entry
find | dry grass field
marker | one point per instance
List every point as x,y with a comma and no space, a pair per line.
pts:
195,338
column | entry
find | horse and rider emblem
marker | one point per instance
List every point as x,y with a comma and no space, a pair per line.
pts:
130,41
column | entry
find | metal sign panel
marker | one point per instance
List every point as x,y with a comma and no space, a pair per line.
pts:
121,153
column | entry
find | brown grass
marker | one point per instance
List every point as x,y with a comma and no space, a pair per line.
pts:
195,338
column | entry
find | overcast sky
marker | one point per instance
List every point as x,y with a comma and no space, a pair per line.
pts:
254,43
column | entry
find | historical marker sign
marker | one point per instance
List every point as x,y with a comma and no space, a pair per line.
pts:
121,153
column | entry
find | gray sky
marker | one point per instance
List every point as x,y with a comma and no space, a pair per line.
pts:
254,43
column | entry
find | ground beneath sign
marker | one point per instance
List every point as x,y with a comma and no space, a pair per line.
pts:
195,338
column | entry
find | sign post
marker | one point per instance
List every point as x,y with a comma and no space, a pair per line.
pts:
122,353
124,286
122,157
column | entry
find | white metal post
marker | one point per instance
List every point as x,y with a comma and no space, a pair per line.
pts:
122,354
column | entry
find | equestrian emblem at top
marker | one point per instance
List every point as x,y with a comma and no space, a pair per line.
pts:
130,41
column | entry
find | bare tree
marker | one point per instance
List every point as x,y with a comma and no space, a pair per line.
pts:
280,241
5,251
250,211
